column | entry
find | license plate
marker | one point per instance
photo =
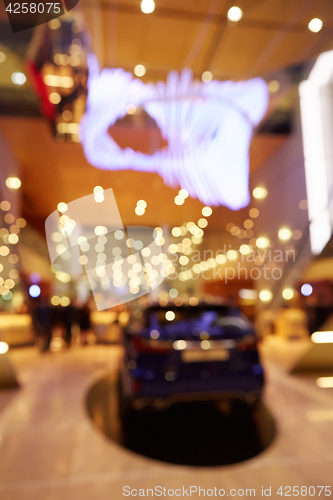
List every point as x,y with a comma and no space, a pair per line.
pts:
201,355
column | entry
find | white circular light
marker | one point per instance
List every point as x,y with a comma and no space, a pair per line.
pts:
288,293
179,345
205,344
235,14
9,283
170,315
284,234
262,242
179,200
119,234
13,239
207,211
18,78
99,230
3,347
306,289
142,203
173,248
245,249
4,250
315,25
147,6
139,210
131,109
62,207
260,193
99,197
34,291
207,77
265,295
13,183
202,223
139,70
65,301
183,193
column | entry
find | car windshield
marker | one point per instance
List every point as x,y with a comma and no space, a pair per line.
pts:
199,316
241,323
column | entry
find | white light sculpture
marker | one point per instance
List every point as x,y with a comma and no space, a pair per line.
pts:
316,98
208,128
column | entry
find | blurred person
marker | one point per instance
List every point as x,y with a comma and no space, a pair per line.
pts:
84,322
69,318
43,317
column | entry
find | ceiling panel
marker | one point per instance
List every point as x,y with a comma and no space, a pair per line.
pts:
298,11
251,60
162,40
128,31
240,41
280,11
158,44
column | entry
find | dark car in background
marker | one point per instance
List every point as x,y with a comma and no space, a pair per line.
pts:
192,353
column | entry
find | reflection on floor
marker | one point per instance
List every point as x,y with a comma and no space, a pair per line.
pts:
200,434
50,449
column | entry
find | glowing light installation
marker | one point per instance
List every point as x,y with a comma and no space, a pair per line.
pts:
208,127
316,100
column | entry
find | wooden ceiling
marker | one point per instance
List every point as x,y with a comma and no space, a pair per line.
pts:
52,172
272,34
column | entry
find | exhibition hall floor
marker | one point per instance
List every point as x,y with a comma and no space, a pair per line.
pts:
50,449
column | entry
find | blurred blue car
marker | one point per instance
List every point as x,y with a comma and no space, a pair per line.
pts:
185,353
